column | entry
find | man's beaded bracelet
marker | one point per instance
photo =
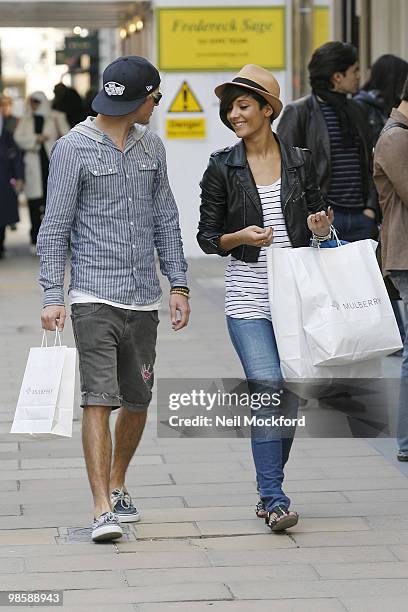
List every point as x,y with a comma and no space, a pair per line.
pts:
178,291
180,288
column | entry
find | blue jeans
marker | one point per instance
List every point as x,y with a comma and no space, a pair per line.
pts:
255,344
400,280
399,319
352,226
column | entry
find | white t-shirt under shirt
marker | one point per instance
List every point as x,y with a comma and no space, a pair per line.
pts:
246,284
79,297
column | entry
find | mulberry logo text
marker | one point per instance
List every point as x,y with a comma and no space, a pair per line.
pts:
362,304
357,304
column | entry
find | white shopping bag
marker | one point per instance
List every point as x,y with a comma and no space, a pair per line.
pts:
46,401
346,312
294,352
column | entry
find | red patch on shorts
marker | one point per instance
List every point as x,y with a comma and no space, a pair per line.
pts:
146,372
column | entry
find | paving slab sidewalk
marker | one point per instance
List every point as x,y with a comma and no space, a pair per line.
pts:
199,545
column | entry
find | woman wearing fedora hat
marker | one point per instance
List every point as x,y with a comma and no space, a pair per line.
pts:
257,193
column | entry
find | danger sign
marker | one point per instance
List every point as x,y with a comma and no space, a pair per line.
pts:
185,101
186,128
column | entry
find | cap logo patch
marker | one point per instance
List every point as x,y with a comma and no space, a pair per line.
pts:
149,87
114,89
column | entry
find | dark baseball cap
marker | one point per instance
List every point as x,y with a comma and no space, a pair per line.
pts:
126,83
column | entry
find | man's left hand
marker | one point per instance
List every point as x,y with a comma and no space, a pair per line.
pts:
179,306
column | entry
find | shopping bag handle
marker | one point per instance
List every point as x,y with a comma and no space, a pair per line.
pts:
333,233
45,339
269,266
301,273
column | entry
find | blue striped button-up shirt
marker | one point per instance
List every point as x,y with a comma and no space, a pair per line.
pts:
114,208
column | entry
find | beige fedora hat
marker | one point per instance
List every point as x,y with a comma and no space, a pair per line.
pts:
256,79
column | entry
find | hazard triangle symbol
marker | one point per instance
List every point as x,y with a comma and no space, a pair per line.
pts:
185,101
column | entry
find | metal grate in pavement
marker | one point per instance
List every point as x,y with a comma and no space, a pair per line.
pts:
83,534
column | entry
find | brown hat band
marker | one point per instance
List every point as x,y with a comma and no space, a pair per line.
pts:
249,83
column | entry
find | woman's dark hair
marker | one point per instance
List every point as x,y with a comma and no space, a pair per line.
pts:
404,95
388,75
231,93
330,58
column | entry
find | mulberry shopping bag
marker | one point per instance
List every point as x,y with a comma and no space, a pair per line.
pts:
293,344
46,401
346,312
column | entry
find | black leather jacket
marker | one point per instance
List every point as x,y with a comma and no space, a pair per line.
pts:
303,125
230,199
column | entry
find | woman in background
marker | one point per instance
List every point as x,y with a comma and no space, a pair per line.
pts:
37,131
11,181
382,92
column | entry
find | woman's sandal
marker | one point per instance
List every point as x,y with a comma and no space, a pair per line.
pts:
260,510
280,518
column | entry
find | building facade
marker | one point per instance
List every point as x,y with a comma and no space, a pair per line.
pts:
198,44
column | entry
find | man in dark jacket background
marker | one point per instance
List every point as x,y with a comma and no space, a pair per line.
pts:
11,181
6,112
333,127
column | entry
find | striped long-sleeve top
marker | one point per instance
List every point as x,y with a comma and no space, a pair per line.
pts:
346,187
246,284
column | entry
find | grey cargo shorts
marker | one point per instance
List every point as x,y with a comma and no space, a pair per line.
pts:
117,351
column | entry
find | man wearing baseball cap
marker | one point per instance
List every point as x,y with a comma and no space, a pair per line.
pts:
110,199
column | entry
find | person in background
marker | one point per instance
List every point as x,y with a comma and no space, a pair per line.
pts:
36,133
391,179
378,96
9,122
382,91
6,111
333,127
67,100
11,181
88,99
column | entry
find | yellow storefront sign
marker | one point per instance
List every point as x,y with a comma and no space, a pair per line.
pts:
321,25
218,39
185,128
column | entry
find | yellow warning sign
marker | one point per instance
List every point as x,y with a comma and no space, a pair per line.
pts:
185,101
185,128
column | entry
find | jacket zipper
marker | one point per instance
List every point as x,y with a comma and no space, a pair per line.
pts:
284,211
289,196
243,246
